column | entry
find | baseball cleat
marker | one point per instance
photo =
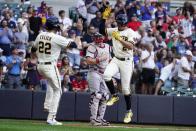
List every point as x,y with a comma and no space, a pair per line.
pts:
104,122
53,122
95,123
128,117
112,100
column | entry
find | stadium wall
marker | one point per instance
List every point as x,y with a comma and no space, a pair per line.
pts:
74,107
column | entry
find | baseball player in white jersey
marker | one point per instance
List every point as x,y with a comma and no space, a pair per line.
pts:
47,48
98,55
123,39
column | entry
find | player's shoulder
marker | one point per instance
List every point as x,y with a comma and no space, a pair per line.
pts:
92,48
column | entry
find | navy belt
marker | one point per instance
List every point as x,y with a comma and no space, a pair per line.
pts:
122,59
45,63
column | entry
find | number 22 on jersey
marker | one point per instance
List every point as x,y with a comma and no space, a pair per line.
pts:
44,47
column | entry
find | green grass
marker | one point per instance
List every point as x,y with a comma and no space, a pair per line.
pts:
31,125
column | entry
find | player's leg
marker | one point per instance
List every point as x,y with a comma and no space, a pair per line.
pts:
158,86
50,72
94,86
126,70
102,104
48,98
111,70
49,91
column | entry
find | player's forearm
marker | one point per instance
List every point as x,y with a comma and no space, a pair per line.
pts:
126,44
91,61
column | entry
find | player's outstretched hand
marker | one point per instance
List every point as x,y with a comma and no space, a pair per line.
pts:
116,35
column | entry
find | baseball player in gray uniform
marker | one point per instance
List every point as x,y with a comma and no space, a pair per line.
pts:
123,39
98,55
47,48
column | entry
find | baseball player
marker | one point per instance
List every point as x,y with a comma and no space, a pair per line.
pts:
98,55
47,48
123,39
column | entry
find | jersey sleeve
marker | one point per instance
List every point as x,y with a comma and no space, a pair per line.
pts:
62,41
133,36
110,30
91,51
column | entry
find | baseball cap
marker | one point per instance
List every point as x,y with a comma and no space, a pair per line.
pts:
188,52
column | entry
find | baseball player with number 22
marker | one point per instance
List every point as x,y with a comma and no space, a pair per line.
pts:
47,48
123,39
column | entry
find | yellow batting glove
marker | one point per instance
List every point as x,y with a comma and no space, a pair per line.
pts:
116,35
107,12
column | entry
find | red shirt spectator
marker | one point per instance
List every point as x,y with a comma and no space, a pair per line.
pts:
78,84
178,17
134,24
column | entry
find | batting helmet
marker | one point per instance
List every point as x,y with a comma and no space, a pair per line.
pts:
121,19
52,23
98,38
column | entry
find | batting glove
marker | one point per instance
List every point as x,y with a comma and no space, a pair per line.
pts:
116,35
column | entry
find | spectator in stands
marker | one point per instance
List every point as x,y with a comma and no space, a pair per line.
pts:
92,7
188,8
147,12
97,20
67,22
50,12
186,25
79,84
185,69
134,24
24,23
11,24
172,41
159,42
6,37
32,74
2,58
20,39
178,17
14,65
66,71
149,38
130,8
81,8
74,52
35,24
119,7
148,69
160,14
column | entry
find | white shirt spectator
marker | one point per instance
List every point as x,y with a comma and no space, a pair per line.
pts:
81,7
186,27
150,64
162,44
147,40
67,22
184,63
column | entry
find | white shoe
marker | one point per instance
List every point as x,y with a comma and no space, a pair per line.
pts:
53,122
95,123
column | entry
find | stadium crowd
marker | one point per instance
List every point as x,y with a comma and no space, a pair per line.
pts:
165,55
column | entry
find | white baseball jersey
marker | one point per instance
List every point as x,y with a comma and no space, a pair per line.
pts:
49,46
128,35
95,51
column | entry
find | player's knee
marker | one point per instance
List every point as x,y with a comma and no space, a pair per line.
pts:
107,77
98,95
126,91
105,96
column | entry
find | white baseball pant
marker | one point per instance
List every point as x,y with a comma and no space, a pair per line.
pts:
125,68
